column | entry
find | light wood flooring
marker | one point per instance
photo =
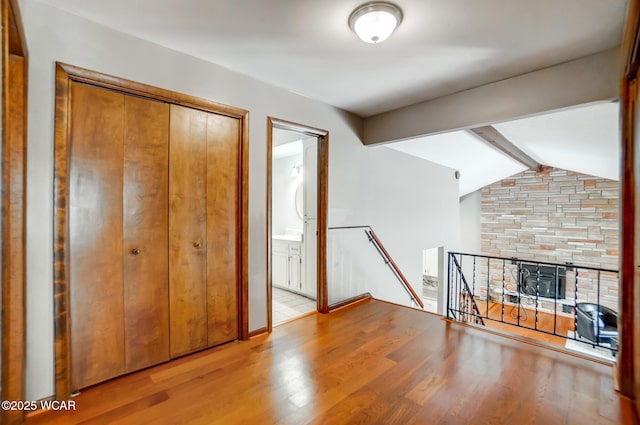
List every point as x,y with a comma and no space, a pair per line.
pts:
527,324
372,363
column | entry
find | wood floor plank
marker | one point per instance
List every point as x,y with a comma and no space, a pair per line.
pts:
374,363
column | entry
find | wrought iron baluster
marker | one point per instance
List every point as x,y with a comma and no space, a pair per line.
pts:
575,306
488,287
598,319
449,286
555,299
504,265
537,293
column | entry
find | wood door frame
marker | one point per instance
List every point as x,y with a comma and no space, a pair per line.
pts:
65,74
13,227
627,370
322,137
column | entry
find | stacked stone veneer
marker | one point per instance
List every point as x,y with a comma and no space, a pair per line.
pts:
555,216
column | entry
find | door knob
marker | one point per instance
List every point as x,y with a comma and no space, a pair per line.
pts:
196,244
135,251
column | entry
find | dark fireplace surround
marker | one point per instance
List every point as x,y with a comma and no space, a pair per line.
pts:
544,281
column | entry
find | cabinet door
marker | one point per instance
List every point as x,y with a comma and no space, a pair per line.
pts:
295,273
187,230
145,215
95,235
295,267
280,264
223,224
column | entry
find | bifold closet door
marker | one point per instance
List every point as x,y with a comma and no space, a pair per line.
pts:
188,230
203,229
146,198
223,144
95,235
118,195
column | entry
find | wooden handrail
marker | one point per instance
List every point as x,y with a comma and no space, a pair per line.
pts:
395,268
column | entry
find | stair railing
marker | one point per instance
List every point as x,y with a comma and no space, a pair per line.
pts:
466,295
375,241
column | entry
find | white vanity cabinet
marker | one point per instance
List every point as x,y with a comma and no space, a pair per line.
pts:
287,263
280,263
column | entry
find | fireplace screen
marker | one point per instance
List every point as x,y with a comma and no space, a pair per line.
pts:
546,281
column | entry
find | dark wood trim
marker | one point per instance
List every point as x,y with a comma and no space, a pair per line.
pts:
244,237
269,262
61,238
98,79
626,353
13,225
64,75
323,223
322,137
631,42
16,37
349,301
628,367
258,332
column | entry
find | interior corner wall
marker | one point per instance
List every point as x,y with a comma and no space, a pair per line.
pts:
53,35
470,228
414,209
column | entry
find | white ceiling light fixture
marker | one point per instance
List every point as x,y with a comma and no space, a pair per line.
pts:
374,22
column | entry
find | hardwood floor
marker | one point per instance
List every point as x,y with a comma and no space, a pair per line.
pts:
527,322
372,363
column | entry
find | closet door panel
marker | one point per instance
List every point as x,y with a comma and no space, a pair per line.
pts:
95,235
187,230
145,215
223,135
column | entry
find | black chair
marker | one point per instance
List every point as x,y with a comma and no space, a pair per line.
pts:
598,324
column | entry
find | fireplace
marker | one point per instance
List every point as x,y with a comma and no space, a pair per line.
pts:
546,281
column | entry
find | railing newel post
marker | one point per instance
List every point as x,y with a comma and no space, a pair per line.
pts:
448,283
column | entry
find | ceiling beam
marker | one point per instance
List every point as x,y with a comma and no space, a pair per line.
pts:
493,137
590,79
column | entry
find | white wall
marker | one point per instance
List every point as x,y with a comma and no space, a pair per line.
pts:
414,208
470,242
365,184
283,209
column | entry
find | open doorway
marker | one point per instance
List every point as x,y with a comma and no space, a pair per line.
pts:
297,170
432,277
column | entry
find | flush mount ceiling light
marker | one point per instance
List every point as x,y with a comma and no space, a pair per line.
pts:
374,22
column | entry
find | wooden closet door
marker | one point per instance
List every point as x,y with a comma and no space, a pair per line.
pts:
145,214
187,230
223,197
95,235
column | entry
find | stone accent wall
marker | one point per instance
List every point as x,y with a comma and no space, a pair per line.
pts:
557,216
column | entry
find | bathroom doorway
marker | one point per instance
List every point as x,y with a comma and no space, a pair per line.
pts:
297,166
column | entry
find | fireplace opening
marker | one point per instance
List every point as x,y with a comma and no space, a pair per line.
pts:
546,281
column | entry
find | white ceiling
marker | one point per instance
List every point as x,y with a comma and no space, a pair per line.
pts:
464,152
441,47
584,139
306,46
